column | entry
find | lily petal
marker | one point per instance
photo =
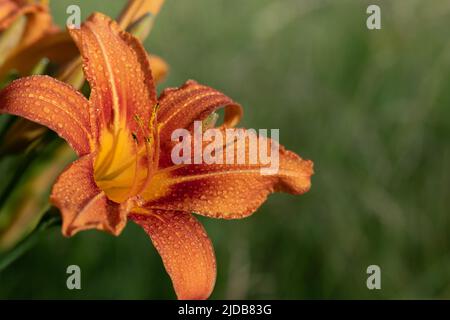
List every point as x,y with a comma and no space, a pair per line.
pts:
118,71
179,108
72,72
53,104
82,204
228,191
185,249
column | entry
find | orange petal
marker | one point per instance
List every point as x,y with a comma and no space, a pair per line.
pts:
185,249
72,72
53,104
227,191
82,204
117,68
179,108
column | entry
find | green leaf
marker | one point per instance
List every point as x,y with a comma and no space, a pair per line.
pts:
50,220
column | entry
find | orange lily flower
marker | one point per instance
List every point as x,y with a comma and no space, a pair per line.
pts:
138,16
122,137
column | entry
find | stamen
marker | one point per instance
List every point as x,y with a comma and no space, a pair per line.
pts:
136,168
148,148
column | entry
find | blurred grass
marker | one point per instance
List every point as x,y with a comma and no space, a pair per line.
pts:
371,108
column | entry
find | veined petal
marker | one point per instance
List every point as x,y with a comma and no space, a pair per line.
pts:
82,204
53,104
229,190
117,68
185,249
73,73
179,108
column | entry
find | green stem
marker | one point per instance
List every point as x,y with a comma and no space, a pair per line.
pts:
50,219
23,165
19,171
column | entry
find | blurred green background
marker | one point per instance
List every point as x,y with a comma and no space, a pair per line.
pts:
370,108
